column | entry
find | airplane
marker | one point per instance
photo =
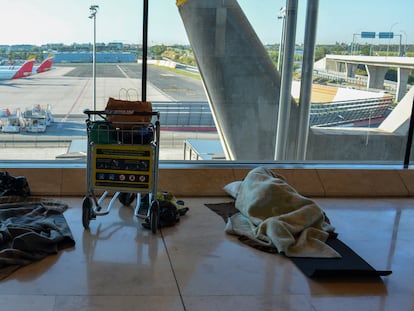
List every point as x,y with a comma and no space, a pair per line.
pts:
19,72
46,65
8,64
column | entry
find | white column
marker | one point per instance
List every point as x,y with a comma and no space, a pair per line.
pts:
350,70
376,77
402,80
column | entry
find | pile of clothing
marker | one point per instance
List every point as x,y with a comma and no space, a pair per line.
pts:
273,214
30,228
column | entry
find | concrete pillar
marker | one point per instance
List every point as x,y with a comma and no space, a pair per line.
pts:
285,104
241,82
306,80
402,80
376,77
339,66
350,70
331,65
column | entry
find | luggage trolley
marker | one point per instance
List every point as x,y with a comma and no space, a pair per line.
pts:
122,159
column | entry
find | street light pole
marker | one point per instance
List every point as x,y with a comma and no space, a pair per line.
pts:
94,9
399,46
353,44
405,44
389,39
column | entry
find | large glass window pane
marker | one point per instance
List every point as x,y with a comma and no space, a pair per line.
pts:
214,73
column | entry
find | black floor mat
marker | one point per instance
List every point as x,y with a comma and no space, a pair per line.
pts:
351,265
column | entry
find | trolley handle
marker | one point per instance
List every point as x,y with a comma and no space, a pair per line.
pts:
107,112
94,112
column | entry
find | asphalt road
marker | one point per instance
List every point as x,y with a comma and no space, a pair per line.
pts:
68,90
177,87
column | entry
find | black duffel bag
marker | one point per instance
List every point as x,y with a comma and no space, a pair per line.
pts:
10,185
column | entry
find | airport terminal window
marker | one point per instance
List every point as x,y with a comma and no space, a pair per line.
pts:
202,83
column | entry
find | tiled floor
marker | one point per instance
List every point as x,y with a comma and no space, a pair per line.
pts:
118,265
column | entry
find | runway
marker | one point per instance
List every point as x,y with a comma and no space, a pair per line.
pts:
68,88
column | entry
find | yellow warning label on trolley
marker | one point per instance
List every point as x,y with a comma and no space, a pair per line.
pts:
123,167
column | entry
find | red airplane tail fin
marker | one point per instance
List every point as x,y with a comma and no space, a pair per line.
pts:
46,65
26,69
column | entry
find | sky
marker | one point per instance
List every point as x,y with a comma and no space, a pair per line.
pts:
58,21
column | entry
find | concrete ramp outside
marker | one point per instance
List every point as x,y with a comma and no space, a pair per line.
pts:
399,119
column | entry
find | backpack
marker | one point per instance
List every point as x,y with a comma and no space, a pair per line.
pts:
168,215
10,185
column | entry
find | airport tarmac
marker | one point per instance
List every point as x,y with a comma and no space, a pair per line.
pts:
68,89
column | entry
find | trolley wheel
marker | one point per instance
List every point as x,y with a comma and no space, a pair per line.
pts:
87,212
126,198
154,216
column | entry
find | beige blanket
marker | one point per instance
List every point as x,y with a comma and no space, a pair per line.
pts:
274,213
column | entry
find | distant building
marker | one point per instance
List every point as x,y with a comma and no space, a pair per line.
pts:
115,45
23,47
54,46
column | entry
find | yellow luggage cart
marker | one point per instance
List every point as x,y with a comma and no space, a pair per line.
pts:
122,160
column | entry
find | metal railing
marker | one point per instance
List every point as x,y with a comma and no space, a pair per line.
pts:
184,114
343,112
198,114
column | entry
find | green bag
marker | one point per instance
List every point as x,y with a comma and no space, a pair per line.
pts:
102,132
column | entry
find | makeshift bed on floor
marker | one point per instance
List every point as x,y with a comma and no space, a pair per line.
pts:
271,215
30,230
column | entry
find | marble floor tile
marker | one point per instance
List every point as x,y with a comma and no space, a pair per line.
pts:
195,265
